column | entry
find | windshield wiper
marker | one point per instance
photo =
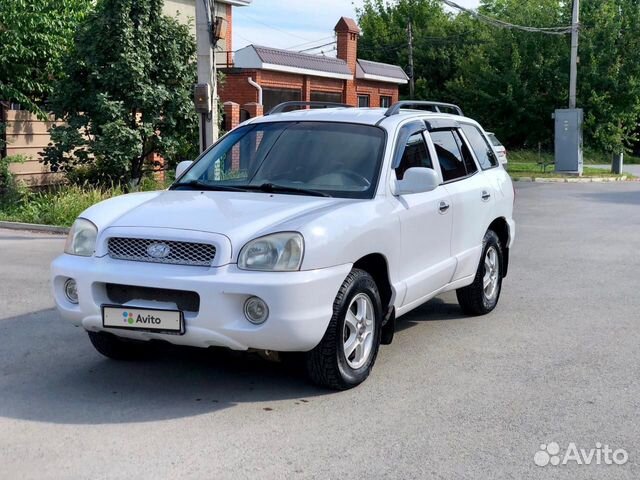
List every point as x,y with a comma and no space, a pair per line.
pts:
200,185
275,188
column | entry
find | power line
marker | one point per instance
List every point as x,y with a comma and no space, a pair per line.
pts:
271,26
307,43
316,47
502,24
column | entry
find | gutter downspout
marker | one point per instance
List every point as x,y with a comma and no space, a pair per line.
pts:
257,87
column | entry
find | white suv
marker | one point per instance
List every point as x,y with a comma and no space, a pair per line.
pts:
309,231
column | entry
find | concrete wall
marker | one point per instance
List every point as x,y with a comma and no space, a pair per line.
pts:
183,10
27,135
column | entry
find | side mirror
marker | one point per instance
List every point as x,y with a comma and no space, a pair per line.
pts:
416,180
182,167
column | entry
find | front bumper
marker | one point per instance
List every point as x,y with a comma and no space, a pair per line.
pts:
300,303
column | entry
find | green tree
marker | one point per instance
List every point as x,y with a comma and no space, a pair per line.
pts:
384,38
34,36
609,72
510,80
126,93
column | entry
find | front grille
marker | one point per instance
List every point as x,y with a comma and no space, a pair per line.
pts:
184,300
172,252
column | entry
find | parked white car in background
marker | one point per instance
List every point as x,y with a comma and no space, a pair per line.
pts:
309,231
500,149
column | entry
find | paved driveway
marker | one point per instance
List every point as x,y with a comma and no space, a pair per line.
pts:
453,397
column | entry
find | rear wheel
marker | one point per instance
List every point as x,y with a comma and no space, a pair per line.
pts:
346,354
117,348
482,296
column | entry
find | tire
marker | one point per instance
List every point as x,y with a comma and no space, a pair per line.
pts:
328,364
475,299
116,348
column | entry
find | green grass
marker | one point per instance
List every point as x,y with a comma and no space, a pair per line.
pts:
527,164
590,157
60,206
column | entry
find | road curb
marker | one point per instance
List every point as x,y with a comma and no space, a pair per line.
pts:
624,178
34,227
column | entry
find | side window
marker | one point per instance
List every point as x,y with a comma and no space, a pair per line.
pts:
416,154
449,155
469,162
484,152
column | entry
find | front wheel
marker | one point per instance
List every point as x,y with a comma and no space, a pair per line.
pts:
482,296
345,356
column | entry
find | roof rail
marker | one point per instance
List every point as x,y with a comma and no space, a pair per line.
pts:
432,106
281,107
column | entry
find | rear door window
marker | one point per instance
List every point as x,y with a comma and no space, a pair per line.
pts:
454,157
484,152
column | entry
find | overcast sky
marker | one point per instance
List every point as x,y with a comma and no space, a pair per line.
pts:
294,24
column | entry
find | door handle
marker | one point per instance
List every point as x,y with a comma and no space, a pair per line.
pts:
486,196
444,207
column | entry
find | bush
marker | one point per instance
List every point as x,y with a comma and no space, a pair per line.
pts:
11,190
62,205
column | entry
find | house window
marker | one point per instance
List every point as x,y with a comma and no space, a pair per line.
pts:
385,101
363,101
326,97
275,96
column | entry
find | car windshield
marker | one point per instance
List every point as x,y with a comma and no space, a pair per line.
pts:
300,158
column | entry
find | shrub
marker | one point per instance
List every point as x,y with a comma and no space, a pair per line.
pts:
12,190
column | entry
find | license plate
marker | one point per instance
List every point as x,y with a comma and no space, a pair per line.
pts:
149,319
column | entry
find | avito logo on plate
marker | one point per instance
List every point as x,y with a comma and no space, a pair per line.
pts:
550,454
130,319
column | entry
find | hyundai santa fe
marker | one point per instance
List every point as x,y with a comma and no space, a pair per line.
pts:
304,231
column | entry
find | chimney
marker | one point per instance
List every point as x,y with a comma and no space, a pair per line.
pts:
347,32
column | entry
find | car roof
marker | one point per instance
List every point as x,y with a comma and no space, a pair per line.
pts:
364,116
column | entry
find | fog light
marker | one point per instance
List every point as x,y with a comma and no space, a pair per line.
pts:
256,310
71,290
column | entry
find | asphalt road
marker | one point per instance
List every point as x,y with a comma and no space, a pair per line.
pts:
452,398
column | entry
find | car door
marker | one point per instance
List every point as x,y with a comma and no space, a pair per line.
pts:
471,198
425,224
488,160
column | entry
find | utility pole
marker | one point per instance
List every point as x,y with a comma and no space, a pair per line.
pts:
412,82
575,34
206,91
569,122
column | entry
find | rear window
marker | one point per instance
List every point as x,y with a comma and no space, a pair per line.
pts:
494,140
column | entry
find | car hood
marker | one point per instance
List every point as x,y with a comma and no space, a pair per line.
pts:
240,216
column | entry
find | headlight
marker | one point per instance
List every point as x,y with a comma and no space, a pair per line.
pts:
82,238
279,252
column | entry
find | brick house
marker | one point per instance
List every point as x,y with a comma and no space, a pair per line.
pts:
262,77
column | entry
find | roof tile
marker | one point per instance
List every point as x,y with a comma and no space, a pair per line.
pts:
380,69
287,58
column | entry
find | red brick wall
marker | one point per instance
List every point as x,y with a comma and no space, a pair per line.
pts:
347,50
326,85
281,80
229,39
375,90
236,87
